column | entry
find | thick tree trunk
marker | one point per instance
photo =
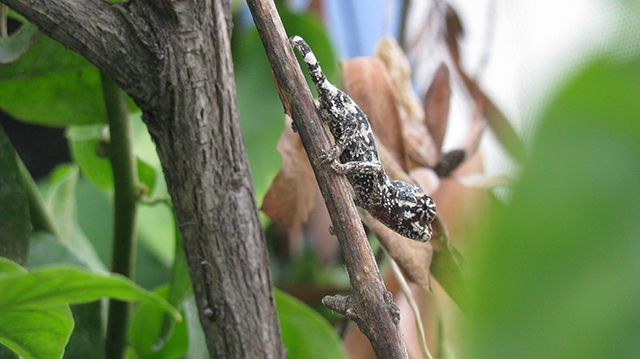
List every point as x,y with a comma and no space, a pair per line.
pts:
174,59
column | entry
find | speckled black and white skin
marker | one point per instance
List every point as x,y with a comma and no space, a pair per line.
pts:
401,206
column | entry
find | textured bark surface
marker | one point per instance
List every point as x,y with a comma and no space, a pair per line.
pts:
174,59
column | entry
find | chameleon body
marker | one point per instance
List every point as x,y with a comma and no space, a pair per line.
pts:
401,206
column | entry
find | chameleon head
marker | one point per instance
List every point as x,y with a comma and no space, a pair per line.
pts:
407,210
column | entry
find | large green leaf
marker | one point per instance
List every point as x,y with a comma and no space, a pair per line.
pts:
15,221
36,332
53,86
35,320
87,338
558,274
56,285
306,334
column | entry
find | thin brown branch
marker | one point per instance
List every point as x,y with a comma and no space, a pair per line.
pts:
370,305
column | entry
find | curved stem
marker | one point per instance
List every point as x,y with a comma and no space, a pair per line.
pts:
125,178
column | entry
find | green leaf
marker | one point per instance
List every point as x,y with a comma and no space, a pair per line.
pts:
152,333
19,43
261,111
84,141
306,334
147,175
87,338
46,249
15,220
62,200
146,334
8,266
36,332
57,285
62,204
558,271
197,344
52,86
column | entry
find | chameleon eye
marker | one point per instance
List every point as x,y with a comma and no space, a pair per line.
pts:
428,210
424,216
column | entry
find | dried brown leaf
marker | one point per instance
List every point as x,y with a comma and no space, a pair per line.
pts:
413,257
419,143
455,31
436,105
389,51
368,83
292,193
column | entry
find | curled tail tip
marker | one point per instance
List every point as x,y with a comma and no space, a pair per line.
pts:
296,40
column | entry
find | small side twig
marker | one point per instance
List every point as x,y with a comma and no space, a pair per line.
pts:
370,305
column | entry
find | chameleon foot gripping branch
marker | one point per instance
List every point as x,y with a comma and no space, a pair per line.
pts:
401,206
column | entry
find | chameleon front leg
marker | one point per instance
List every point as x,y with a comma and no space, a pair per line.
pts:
348,126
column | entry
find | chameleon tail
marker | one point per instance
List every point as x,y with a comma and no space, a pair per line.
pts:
321,82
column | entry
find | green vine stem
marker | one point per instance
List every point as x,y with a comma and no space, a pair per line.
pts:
126,188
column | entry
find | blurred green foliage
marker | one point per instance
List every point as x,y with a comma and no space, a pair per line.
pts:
557,269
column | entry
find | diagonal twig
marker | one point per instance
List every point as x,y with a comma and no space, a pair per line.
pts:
370,305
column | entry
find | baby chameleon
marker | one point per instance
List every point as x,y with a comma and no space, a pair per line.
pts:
401,206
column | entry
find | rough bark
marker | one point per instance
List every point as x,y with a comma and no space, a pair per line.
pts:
173,59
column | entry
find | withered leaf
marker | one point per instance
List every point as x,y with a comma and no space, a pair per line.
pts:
436,105
389,51
455,31
368,83
413,257
419,144
292,193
